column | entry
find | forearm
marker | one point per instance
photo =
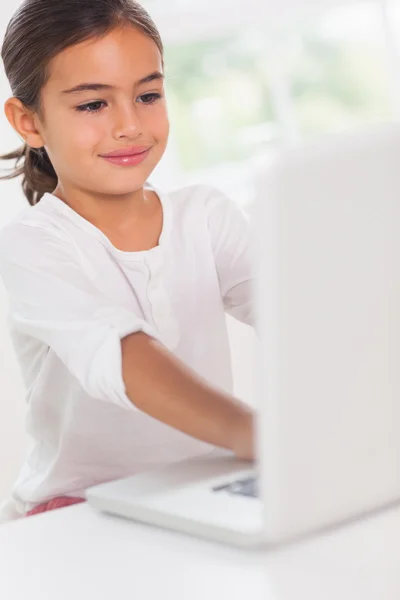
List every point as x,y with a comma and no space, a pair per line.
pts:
160,385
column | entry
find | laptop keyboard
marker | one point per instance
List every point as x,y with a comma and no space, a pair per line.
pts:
241,487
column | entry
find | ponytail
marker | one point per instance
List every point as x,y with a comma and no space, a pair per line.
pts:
38,173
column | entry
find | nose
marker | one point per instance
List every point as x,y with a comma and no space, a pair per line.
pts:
127,123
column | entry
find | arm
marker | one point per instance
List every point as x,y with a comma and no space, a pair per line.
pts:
159,384
162,386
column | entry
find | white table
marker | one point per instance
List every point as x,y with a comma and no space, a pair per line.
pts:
76,553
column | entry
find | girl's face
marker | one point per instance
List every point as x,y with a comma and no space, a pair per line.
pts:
125,108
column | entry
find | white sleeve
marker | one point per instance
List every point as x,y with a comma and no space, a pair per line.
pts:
54,301
230,237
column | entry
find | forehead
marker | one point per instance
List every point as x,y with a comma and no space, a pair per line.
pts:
124,55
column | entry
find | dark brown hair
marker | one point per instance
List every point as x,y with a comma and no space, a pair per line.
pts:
37,32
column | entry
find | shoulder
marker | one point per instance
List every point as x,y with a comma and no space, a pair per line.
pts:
224,223
195,193
31,233
208,199
32,218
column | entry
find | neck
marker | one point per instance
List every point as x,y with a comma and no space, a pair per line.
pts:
105,211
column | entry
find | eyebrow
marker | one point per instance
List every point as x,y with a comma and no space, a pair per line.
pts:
83,87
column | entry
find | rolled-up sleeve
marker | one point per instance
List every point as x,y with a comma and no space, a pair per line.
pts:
53,300
230,233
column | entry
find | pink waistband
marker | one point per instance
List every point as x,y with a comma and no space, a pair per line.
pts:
54,504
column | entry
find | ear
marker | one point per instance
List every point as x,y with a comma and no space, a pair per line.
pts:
24,122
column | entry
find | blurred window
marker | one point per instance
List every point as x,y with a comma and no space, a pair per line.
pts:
236,95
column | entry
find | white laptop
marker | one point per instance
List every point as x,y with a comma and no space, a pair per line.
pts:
328,298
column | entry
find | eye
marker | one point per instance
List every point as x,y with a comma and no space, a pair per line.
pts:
150,98
90,107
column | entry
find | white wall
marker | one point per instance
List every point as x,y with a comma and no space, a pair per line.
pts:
183,20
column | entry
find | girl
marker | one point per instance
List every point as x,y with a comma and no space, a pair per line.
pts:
117,290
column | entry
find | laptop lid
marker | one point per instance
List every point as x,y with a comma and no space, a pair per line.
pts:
328,300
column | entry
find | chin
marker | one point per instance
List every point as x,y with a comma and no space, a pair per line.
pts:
126,190
120,188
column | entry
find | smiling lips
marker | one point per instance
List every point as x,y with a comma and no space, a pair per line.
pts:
127,156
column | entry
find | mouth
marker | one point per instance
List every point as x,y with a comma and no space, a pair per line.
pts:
128,157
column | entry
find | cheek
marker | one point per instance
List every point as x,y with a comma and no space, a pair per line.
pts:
88,132
77,131
157,122
73,142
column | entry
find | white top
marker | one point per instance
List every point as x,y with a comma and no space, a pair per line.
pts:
73,296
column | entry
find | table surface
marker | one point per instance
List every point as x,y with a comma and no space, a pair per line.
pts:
78,553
